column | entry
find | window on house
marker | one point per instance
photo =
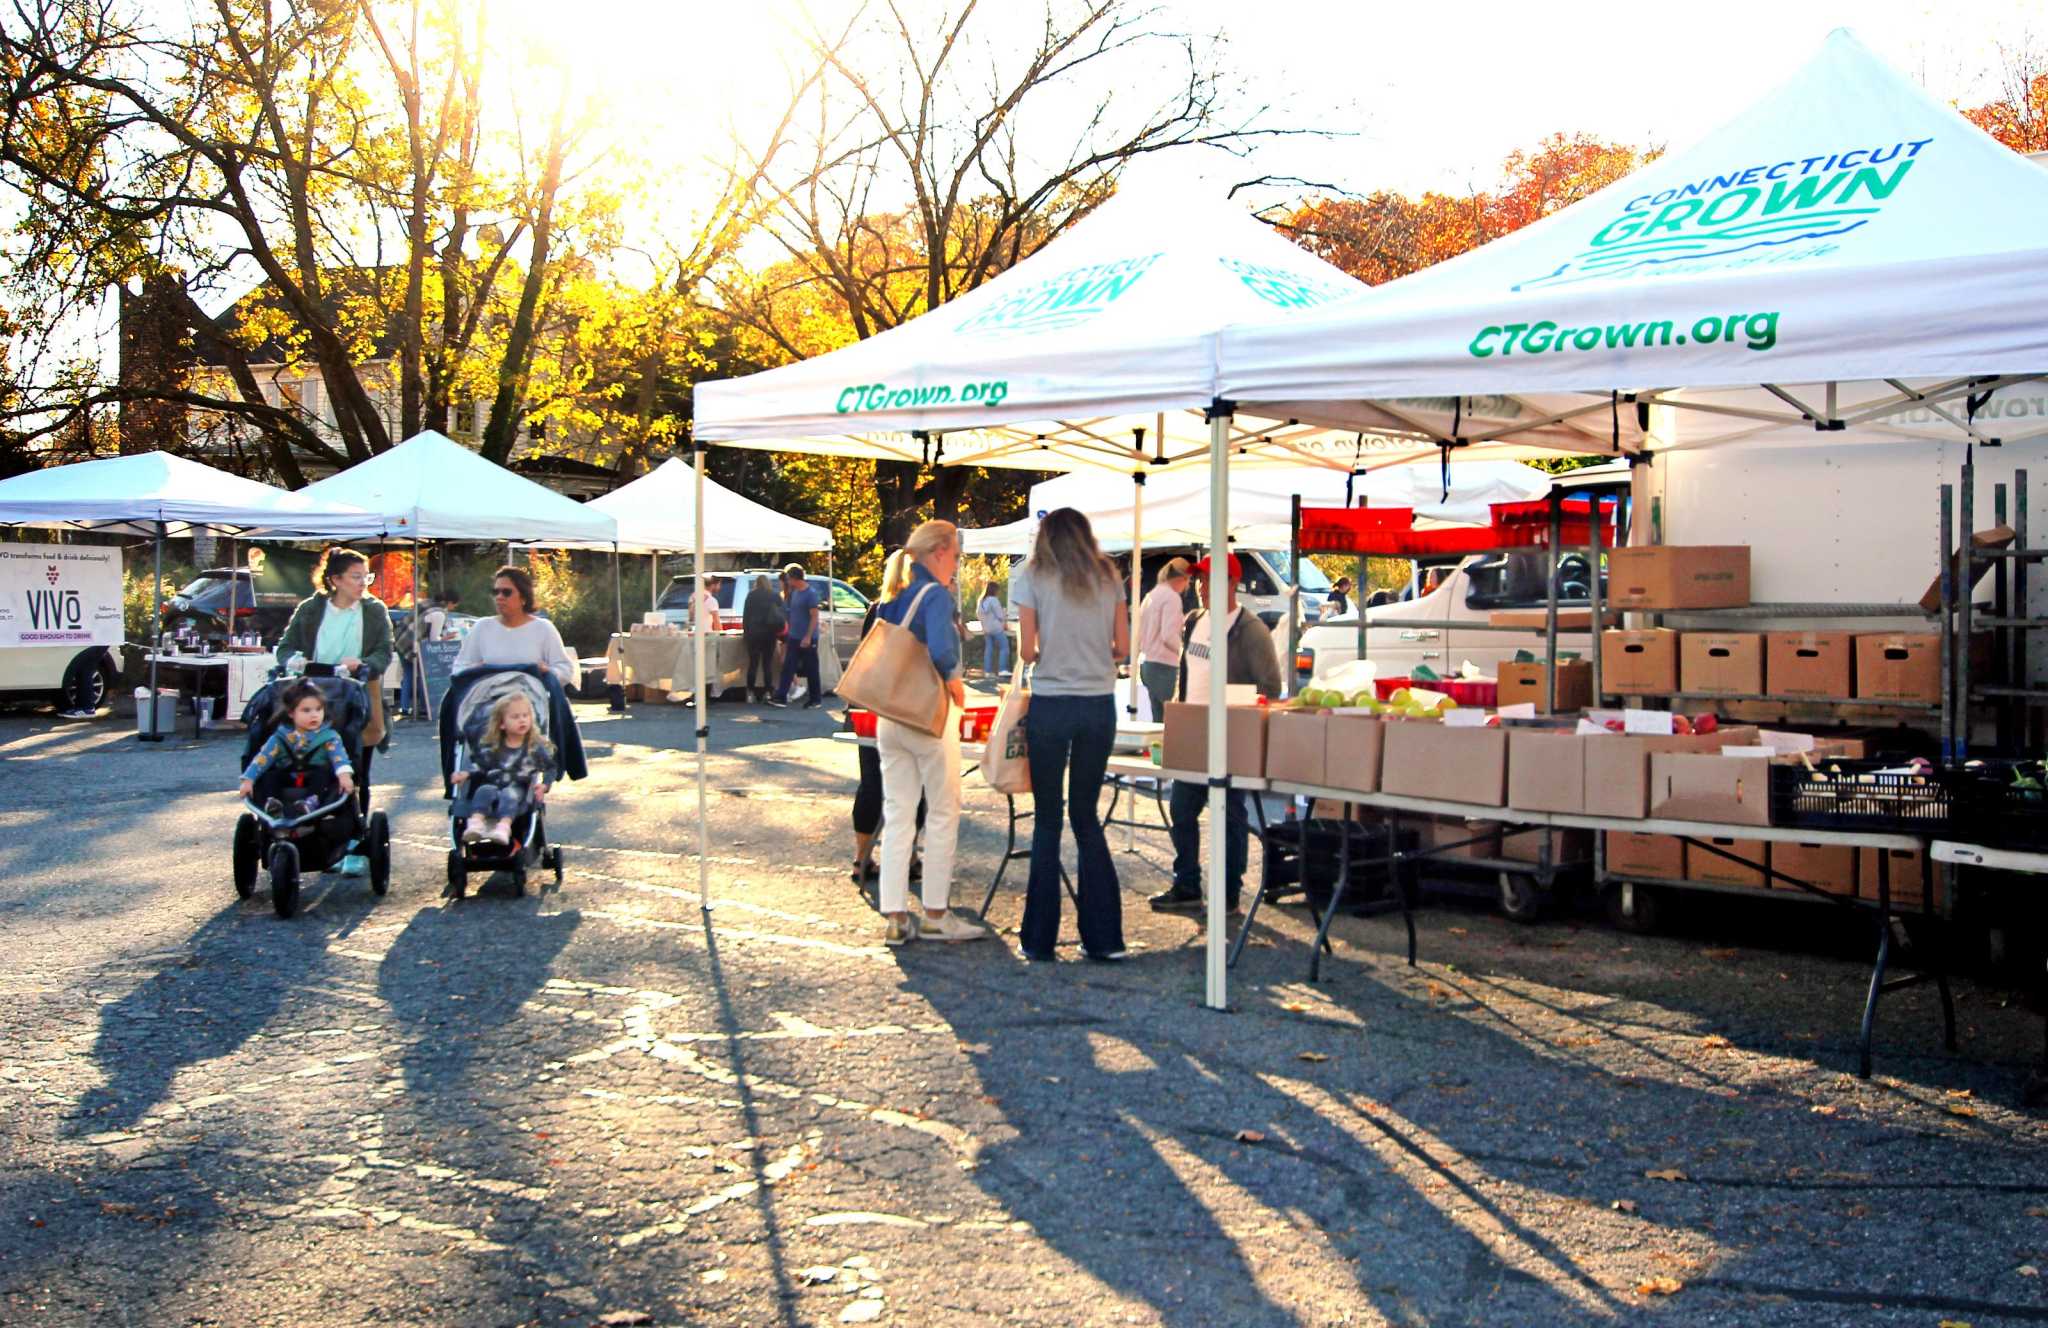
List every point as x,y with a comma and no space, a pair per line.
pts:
289,395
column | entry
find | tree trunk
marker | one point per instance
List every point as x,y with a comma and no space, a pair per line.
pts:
504,422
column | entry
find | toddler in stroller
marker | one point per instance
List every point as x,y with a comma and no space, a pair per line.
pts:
504,772
500,764
298,785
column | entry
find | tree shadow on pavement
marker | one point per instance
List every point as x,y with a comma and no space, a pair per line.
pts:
213,998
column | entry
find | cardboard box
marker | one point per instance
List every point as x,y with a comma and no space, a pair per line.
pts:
1659,857
1640,663
1701,865
1567,847
1907,884
1617,780
1818,664
1429,760
1454,837
1672,576
1730,790
1721,663
1899,666
1186,742
1352,747
1294,746
1521,683
1831,867
1547,771
1997,537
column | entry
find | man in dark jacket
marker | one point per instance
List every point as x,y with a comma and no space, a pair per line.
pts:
762,622
1249,657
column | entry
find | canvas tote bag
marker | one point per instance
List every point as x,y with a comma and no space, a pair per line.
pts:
892,674
1006,762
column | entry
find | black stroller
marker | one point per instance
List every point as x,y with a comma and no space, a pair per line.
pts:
301,839
464,712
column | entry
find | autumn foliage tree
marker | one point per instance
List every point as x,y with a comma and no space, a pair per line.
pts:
1384,235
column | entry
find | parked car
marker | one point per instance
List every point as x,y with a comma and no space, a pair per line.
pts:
1442,618
203,604
842,613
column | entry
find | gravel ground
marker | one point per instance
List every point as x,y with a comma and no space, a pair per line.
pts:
587,1107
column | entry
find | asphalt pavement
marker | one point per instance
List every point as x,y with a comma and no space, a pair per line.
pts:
598,1105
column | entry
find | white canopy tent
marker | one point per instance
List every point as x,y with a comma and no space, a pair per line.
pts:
432,487
1176,504
1846,228
161,495
1848,255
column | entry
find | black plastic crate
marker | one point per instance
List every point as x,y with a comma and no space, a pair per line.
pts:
1857,795
1996,808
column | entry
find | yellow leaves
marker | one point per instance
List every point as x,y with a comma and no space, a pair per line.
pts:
1961,1109
1667,1173
1624,1205
1659,1286
1312,1057
1824,1109
1715,1042
1249,1137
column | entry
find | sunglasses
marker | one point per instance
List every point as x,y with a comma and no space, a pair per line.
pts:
503,592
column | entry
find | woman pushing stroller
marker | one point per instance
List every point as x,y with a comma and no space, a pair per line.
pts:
504,773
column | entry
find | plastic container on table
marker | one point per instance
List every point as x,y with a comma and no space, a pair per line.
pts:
1861,795
1482,693
977,722
863,722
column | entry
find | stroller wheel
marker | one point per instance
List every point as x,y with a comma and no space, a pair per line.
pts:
458,876
248,858
377,848
284,879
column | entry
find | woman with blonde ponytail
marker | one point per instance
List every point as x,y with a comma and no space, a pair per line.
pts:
914,763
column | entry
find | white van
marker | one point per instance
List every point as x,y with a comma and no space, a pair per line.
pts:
1443,618
76,681
842,617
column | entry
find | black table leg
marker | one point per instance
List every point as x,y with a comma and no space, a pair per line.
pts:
1877,969
1315,954
1937,953
1404,880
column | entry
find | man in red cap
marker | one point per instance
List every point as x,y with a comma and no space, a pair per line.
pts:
1249,657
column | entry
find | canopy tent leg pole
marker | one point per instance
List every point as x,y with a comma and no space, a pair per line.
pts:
156,639
703,699
419,612
1137,587
1287,679
1216,992
653,581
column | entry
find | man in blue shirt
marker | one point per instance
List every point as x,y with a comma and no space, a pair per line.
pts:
800,648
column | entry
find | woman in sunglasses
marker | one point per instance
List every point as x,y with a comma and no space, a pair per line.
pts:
515,637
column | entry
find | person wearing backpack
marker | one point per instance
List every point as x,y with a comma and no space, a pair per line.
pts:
762,622
916,764
1249,657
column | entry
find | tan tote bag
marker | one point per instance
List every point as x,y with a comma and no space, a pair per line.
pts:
1006,762
892,674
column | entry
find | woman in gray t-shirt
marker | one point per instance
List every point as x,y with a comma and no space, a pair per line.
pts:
1072,631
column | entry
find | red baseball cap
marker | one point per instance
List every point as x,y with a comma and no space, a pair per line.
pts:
1201,569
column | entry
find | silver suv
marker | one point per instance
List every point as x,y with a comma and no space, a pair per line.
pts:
842,615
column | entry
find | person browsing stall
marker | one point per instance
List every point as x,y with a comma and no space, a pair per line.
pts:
1072,632
800,651
914,763
762,622
1248,658
515,637
995,633
348,629
1160,618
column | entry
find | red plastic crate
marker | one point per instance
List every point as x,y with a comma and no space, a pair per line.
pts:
977,722
1481,693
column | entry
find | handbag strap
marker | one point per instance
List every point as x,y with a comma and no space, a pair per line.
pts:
910,614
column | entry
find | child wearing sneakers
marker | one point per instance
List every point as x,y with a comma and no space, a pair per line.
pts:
509,767
302,760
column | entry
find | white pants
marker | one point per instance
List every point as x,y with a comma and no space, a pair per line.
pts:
915,763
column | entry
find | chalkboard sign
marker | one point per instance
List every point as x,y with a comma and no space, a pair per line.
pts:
440,661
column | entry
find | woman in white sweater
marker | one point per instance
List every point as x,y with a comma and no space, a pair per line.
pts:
515,636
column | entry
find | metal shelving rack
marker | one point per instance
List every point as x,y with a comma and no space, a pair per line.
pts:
2014,701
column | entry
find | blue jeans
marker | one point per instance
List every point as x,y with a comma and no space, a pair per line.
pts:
995,653
1184,814
1069,742
801,658
406,669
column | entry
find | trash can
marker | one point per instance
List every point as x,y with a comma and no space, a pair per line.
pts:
166,707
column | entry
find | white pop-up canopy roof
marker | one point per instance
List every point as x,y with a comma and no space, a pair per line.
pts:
1176,504
656,514
156,493
1847,251
431,487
